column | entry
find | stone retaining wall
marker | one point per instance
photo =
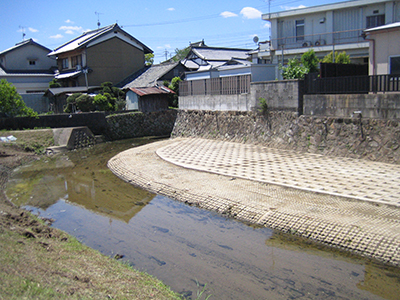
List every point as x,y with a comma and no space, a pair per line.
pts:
372,139
138,124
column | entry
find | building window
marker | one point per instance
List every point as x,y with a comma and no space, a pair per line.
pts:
76,60
375,21
299,30
65,64
394,65
32,62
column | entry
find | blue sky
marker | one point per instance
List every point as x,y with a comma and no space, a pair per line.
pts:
161,25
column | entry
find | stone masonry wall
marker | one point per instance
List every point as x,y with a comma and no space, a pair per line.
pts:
372,139
138,124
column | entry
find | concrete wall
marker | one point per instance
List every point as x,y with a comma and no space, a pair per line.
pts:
371,139
113,127
96,122
379,106
286,95
280,95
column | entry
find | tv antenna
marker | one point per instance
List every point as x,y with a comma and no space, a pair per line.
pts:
98,18
22,29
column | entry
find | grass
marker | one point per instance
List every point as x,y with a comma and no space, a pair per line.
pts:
61,267
30,140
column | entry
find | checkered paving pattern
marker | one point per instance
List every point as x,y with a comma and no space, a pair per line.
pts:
365,227
350,178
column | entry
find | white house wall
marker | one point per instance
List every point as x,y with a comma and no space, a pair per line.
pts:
19,58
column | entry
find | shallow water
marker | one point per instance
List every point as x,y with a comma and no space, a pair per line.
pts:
186,247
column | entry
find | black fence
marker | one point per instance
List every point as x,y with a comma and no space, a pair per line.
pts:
352,84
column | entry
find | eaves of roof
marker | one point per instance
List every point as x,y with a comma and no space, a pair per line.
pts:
320,8
384,27
22,44
76,89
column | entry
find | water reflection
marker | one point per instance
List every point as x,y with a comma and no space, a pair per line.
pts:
184,245
80,177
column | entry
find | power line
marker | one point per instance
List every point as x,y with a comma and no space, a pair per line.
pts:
200,18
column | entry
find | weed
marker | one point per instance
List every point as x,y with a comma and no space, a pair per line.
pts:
199,294
263,106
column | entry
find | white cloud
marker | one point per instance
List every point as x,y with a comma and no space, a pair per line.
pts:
167,46
267,25
71,29
228,14
69,21
251,13
57,36
171,9
292,7
32,29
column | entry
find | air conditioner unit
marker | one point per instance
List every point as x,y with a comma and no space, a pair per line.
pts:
320,43
78,67
307,44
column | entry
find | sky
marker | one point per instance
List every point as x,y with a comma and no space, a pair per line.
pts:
163,26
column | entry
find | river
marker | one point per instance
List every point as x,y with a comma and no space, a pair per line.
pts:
188,248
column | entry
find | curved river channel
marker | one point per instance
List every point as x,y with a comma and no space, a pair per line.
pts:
186,247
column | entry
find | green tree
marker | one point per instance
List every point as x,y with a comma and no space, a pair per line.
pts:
54,83
11,103
340,58
149,59
173,100
71,103
293,70
85,103
102,103
310,61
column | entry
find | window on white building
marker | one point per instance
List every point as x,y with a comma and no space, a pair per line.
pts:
375,21
299,30
65,64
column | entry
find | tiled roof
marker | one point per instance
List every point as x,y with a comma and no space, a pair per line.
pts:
147,77
220,54
87,37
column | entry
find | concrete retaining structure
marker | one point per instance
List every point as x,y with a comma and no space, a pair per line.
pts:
138,124
372,139
379,106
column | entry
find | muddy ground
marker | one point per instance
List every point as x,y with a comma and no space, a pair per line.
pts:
41,262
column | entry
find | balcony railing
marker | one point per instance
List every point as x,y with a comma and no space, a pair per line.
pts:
233,85
317,40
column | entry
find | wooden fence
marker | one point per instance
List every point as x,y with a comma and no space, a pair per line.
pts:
233,85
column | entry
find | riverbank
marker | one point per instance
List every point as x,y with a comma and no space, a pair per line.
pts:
367,228
41,262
